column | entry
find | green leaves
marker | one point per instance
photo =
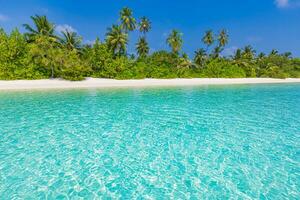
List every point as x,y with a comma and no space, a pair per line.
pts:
39,53
208,38
144,25
42,26
142,47
70,40
175,41
223,38
116,40
128,22
200,57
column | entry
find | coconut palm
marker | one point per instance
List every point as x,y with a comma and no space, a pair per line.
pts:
200,57
238,59
116,40
174,40
142,47
274,52
184,62
217,51
208,38
42,26
144,25
128,22
287,55
249,52
238,54
70,40
261,55
223,38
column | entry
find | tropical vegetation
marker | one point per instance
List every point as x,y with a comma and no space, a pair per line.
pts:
40,52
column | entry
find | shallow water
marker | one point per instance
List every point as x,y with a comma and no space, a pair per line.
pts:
222,142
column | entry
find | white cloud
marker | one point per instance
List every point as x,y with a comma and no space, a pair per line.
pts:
282,3
287,3
229,51
3,18
90,42
64,27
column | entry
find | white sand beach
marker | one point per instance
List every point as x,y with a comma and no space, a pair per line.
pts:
111,83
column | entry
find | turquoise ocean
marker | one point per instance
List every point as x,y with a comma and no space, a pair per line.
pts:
208,142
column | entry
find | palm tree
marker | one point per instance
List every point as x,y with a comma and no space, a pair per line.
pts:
116,40
238,54
287,54
274,52
249,52
184,62
223,38
261,55
144,25
216,52
175,41
208,38
70,40
142,47
128,22
42,27
200,57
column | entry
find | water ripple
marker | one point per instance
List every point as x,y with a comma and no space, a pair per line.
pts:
233,142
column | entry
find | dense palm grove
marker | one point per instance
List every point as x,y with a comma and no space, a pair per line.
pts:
40,53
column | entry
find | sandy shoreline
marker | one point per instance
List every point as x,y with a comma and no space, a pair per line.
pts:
110,83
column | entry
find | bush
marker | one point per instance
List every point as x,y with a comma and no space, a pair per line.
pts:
223,69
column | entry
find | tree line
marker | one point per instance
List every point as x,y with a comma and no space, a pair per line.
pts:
41,53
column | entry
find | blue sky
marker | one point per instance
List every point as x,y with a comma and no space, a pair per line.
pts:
265,24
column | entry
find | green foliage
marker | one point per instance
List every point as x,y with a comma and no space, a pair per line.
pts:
99,58
208,38
144,25
39,53
223,69
42,26
175,41
127,19
278,66
200,57
70,40
56,61
15,61
116,40
223,38
142,47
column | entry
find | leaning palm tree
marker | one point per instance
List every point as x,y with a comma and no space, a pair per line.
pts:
70,40
175,41
128,22
144,25
208,38
116,40
42,27
200,57
223,38
142,47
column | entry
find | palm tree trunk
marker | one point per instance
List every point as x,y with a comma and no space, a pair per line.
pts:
52,72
